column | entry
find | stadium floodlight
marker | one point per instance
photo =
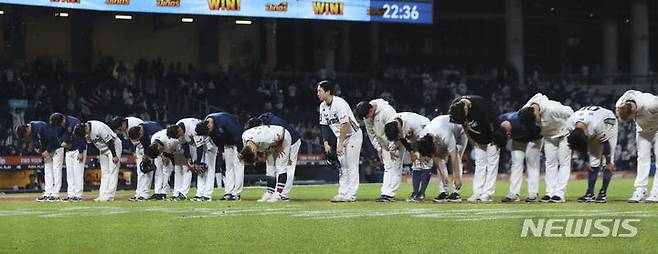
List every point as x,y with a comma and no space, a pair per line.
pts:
187,20
61,14
125,17
2,12
243,22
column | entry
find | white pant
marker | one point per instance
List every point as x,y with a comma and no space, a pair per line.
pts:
205,182
392,171
558,166
294,151
278,164
162,174
143,180
645,142
182,180
348,176
109,175
486,169
53,173
234,171
75,173
525,155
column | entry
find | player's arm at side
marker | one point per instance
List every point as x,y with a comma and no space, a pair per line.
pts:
456,169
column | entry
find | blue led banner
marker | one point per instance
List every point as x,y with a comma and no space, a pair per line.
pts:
419,12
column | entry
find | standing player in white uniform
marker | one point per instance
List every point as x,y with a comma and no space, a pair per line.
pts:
443,140
276,143
121,125
593,133
643,108
109,146
337,119
200,155
375,115
551,116
526,152
162,152
402,132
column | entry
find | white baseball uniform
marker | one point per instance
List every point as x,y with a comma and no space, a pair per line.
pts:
205,184
100,135
163,171
267,138
333,115
412,125
646,126
601,127
552,121
143,180
452,138
392,164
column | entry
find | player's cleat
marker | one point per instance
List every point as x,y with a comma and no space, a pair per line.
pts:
412,198
180,197
531,199
339,198
133,199
638,196
75,199
285,198
353,199
42,199
420,197
385,198
276,197
154,197
486,198
511,198
266,196
225,197
442,197
234,198
589,197
66,199
454,198
196,199
557,199
100,199
474,198
545,199
601,198
54,199
652,199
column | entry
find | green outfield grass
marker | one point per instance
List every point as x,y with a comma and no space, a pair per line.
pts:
310,224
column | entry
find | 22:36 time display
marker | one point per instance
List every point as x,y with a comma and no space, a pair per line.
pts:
394,11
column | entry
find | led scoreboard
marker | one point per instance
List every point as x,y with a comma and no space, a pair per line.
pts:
418,12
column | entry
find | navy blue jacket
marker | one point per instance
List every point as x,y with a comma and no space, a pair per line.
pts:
520,132
44,136
270,119
150,128
66,135
227,130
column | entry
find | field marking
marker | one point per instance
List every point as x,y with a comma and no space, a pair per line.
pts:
482,214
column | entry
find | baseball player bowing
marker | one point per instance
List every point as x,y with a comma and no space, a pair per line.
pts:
109,147
270,119
76,152
276,143
226,131
643,108
375,115
337,119
45,141
593,133
402,132
200,155
526,149
140,136
162,153
443,140
551,116
478,117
